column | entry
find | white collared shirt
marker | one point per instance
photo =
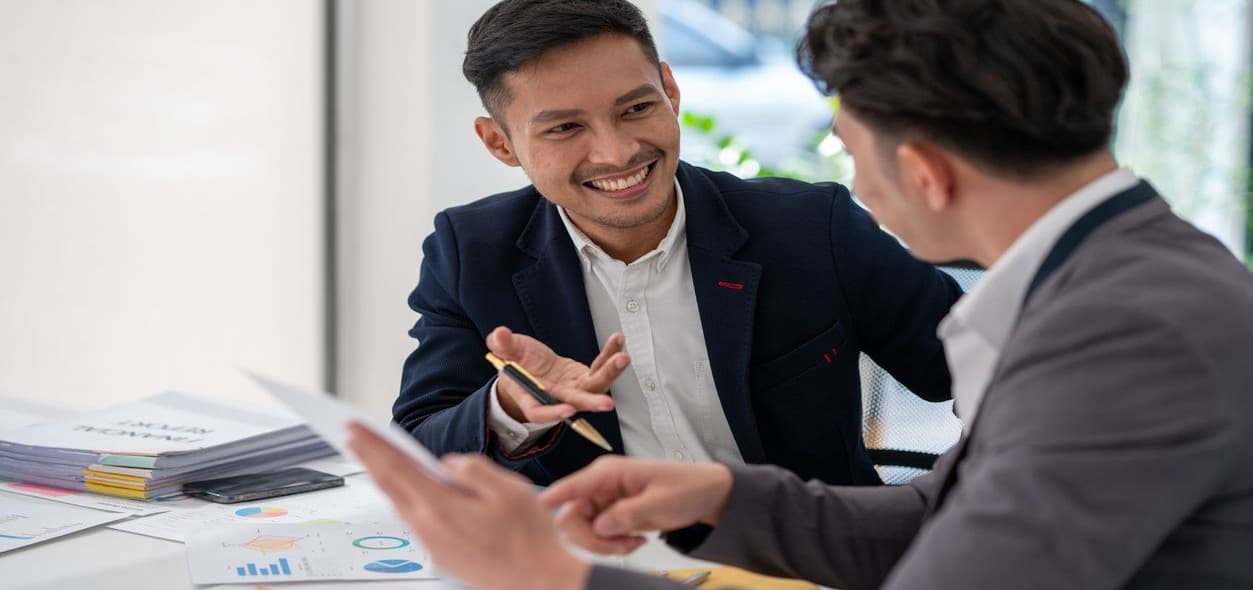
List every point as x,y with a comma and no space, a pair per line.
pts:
975,330
667,404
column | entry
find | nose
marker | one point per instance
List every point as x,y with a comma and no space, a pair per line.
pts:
612,148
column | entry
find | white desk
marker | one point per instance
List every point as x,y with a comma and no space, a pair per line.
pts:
105,559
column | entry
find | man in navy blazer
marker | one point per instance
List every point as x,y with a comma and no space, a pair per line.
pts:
782,284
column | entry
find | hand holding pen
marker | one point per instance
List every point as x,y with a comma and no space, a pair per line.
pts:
577,387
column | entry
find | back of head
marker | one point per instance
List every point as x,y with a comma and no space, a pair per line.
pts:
1015,85
514,32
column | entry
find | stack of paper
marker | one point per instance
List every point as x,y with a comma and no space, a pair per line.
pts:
149,448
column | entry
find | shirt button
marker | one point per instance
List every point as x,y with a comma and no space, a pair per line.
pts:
650,385
678,455
632,305
513,435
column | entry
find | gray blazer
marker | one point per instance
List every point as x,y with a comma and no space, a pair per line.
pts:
1114,447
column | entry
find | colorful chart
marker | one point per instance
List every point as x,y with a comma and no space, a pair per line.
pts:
393,566
281,568
271,543
261,512
380,542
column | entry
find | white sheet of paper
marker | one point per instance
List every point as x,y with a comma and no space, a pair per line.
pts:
329,417
356,501
291,552
26,521
169,422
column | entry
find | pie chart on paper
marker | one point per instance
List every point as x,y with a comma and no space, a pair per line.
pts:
393,566
261,512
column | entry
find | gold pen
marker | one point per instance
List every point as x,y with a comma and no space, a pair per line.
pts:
531,385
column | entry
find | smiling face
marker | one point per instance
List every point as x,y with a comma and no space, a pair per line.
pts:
594,125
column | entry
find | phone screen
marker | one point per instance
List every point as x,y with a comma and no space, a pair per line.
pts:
256,486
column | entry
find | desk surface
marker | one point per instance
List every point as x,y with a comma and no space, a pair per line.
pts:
106,559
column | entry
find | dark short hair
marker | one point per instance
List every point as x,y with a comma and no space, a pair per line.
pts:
1017,85
514,32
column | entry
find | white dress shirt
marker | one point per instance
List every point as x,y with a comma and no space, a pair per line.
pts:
975,330
666,401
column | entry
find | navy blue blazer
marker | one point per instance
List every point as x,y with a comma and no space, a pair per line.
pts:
820,284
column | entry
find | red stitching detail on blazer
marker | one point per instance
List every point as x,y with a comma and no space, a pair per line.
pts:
733,286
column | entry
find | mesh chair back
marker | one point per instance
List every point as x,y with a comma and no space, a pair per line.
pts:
904,432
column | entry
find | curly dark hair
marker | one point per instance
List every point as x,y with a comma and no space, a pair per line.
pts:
1016,85
514,32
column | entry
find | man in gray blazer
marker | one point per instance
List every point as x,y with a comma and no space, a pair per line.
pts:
1102,366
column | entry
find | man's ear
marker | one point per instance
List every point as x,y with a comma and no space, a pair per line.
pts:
496,140
926,171
670,87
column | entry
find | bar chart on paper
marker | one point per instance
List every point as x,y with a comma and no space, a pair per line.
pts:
323,552
280,567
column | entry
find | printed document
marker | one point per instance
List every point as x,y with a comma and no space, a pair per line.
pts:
26,521
291,552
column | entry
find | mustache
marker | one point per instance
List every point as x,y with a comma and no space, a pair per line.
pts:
644,155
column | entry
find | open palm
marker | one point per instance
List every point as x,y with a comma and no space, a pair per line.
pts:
579,387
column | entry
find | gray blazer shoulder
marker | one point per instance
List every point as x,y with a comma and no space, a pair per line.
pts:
1114,447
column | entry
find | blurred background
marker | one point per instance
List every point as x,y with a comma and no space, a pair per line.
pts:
192,187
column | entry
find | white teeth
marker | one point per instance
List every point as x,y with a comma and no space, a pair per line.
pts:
621,184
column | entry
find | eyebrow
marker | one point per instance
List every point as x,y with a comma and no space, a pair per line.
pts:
548,116
640,92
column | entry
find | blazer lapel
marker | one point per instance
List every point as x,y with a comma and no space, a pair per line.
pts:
1066,245
726,294
555,301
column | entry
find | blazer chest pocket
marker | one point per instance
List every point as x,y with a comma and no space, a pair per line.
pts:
819,351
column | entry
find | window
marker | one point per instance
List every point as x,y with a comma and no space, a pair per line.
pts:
1184,124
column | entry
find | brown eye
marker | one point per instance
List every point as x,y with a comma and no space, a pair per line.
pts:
564,128
642,107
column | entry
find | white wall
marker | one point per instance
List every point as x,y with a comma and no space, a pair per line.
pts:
159,196
409,152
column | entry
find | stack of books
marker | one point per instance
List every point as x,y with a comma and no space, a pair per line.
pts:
148,449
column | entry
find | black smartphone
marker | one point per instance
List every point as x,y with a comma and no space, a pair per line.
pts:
258,486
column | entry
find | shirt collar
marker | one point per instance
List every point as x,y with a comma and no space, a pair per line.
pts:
991,309
589,251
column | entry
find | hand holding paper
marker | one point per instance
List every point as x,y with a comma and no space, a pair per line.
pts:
491,517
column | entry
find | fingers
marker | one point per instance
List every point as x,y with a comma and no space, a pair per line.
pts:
612,346
579,399
630,516
599,380
575,522
532,354
606,366
537,413
600,479
500,342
